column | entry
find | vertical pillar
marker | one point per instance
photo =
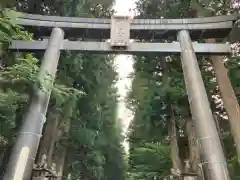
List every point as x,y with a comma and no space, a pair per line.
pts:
24,152
212,156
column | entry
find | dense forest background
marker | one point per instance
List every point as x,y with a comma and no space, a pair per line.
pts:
82,138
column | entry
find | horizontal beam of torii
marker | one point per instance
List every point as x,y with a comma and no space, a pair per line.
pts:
99,28
133,48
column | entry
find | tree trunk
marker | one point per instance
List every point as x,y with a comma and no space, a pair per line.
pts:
60,162
5,159
229,98
172,132
61,154
47,142
54,138
216,118
194,154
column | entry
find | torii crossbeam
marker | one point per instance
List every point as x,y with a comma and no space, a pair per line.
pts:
133,48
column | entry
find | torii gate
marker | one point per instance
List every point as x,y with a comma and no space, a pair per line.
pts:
120,30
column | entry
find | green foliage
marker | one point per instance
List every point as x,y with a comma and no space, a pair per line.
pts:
149,161
7,4
96,142
233,66
21,74
9,30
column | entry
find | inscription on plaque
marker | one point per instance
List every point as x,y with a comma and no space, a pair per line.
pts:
120,31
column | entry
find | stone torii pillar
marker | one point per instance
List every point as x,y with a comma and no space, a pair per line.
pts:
25,149
212,156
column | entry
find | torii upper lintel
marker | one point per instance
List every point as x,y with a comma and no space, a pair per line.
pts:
99,28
